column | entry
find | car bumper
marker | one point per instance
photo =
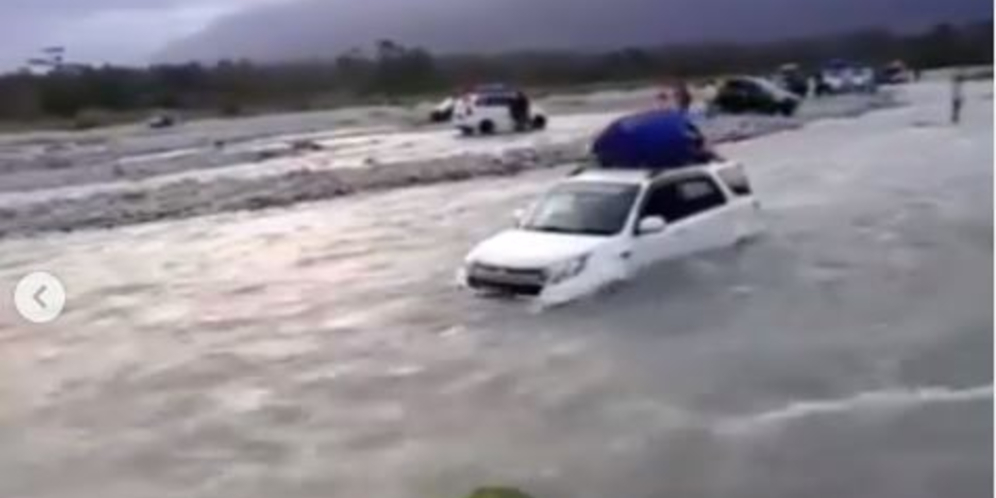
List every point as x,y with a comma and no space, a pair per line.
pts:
543,291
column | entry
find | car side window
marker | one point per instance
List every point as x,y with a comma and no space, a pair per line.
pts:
679,199
494,101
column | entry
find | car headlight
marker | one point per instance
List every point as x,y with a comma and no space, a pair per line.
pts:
567,270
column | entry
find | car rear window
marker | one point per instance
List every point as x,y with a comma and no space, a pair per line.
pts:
736,180
675,200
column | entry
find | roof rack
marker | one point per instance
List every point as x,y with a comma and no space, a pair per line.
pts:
651,172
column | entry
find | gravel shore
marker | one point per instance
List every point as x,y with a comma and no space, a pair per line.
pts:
82,187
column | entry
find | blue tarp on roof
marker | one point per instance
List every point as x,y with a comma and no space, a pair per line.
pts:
658,139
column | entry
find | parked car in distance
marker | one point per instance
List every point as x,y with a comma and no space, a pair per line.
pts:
755,95
489,112
604,226
844,77
895,73
162,120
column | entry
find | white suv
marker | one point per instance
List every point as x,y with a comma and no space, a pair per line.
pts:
487,113
849,79
602,226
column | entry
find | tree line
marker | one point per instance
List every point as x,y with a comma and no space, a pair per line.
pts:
390,71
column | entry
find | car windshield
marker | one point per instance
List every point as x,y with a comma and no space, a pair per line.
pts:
583,208
494,100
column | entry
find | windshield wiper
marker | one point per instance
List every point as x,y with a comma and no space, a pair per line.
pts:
552,229
575,231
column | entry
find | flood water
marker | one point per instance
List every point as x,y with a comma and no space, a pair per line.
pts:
323,350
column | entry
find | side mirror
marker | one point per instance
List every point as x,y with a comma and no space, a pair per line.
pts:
650,225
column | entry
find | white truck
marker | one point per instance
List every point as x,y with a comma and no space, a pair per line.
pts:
491,112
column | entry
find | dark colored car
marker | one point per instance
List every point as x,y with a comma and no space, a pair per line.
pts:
756,96
162,120
894,73
790,77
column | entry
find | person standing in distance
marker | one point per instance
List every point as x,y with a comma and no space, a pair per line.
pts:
683,96
957,96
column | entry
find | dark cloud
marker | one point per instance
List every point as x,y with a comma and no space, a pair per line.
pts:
317,28
132,30
103,30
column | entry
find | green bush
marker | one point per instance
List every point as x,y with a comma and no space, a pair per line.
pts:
498,492
230,109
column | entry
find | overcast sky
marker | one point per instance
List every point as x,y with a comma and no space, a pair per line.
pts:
119,31
139,31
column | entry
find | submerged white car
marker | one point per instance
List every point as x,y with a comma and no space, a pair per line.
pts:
603,226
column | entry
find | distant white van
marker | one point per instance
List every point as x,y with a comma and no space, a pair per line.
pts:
849,79
487,113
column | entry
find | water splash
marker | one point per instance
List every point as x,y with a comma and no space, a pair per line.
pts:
890,400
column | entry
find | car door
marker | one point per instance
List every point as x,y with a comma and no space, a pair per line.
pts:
698,218
757,98
731,96
743,208
498,111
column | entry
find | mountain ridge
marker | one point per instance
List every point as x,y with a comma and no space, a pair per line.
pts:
306,29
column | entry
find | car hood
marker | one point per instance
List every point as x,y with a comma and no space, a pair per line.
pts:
780,93
532,249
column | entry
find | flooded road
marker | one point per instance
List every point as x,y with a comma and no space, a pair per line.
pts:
322,350
69,190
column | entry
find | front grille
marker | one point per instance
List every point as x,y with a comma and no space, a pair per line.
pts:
523,275
507,280
505,287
